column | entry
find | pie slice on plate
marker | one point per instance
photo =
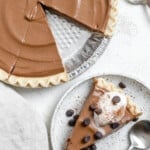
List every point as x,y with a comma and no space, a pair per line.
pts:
106,110
28,52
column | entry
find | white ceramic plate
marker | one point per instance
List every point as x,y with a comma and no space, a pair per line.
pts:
75,97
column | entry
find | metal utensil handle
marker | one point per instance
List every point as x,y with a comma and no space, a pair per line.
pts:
139,2
131,147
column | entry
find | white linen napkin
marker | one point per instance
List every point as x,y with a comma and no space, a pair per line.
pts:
20,127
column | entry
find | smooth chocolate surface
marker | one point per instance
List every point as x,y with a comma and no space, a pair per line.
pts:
27,46
94,14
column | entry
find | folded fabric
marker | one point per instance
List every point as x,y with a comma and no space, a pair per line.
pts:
20,128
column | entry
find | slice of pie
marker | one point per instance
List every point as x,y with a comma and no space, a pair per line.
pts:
28,52
106,110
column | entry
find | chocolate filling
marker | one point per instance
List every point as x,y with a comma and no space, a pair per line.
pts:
27,45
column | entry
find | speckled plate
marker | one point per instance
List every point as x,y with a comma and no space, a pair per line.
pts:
79,48
74,99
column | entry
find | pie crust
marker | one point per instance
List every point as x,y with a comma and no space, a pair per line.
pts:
112,19
33,82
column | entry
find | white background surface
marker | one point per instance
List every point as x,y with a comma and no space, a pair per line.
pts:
127,53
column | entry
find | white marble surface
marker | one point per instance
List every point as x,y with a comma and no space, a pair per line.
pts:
128,53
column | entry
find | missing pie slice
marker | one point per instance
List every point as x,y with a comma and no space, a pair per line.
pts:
106,110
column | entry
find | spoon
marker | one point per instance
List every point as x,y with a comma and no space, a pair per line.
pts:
140,135
139,2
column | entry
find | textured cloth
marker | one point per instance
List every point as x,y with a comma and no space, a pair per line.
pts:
20,127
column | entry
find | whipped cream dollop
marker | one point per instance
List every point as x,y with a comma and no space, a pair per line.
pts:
110,112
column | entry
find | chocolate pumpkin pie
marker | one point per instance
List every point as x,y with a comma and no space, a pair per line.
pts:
106,110
28,52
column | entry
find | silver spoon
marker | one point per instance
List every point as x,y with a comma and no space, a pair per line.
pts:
140,135
139,2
